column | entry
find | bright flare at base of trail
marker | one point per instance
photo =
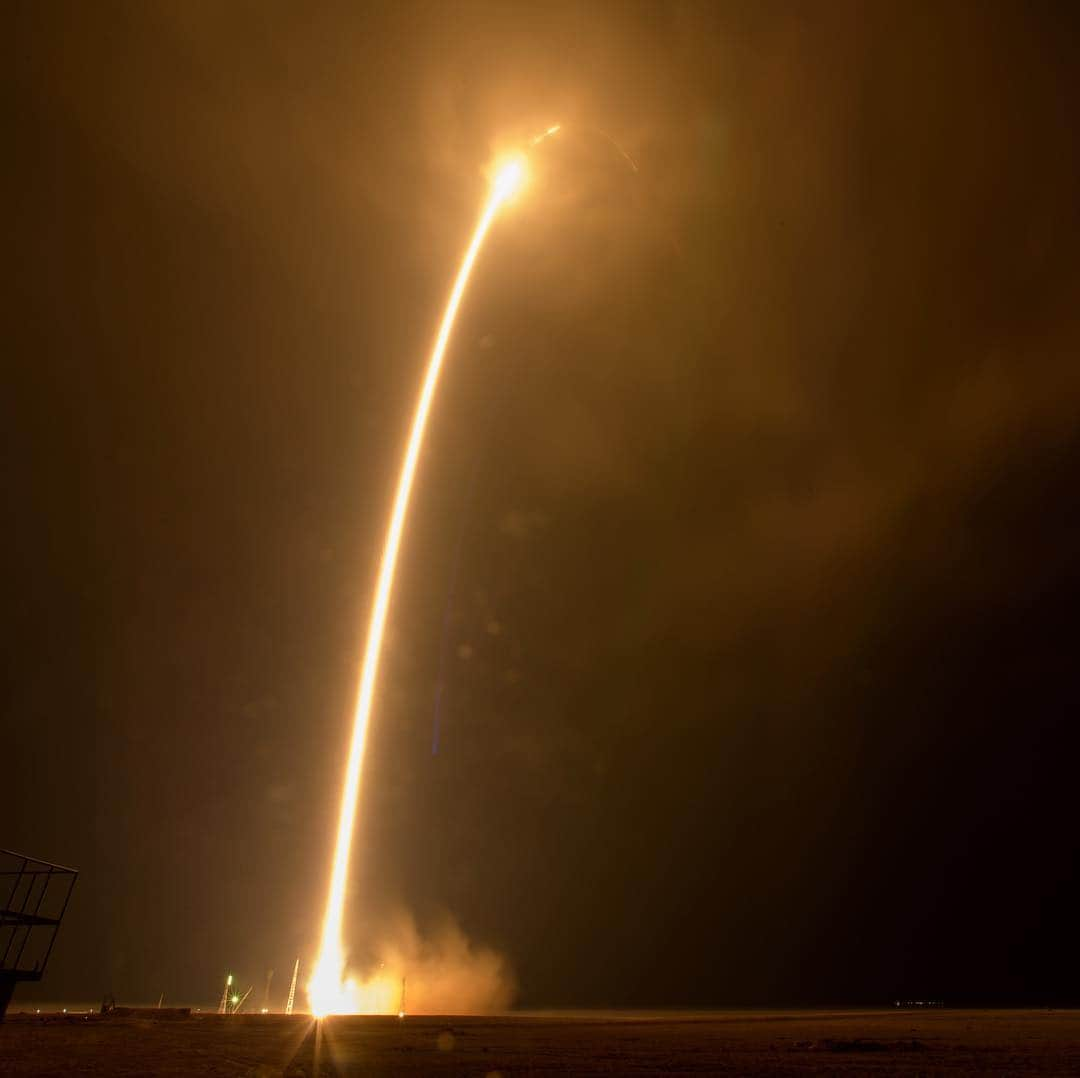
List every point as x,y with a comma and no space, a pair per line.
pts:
329,991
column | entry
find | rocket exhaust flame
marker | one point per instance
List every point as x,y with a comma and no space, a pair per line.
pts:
329,991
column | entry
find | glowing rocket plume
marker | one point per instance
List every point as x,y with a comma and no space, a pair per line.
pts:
329,992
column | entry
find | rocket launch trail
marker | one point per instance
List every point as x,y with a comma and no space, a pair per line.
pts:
330,991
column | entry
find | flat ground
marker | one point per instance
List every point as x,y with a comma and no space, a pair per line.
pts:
923,1042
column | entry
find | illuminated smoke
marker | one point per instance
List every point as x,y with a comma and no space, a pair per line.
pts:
437,972
329,991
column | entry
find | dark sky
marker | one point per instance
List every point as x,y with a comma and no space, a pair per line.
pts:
746,534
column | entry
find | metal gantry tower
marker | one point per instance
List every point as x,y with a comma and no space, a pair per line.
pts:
239,1001
292,988
224,1004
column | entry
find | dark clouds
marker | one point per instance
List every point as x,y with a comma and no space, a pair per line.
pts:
759,660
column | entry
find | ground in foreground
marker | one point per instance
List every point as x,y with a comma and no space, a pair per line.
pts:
785,1043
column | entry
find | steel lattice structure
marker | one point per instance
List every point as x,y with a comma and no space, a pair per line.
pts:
34,896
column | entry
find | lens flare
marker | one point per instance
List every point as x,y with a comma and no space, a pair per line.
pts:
330,991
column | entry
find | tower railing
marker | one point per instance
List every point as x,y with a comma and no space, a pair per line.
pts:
34,896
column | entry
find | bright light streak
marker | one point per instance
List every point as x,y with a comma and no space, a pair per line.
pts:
553,130
508,180
329,992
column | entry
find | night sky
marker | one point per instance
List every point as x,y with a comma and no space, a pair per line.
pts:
745,544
